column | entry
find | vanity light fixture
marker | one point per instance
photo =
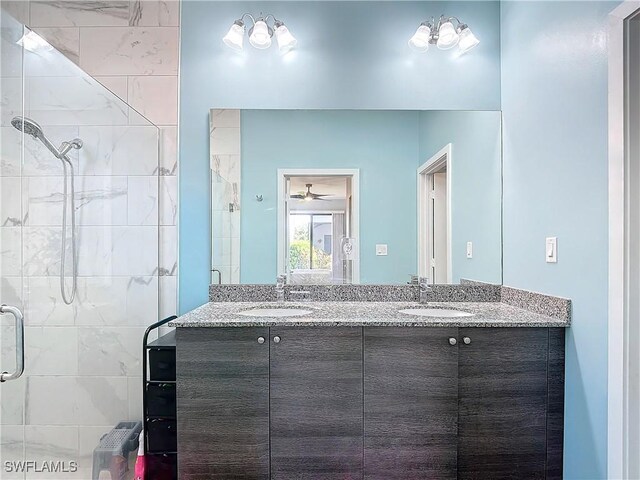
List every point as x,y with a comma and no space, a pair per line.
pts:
260,34
444,35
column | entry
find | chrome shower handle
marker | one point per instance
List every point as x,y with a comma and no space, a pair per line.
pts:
17,314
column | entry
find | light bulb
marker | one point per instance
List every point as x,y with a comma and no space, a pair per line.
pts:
467,40
286,41
260,36
447,36
420,40
235,37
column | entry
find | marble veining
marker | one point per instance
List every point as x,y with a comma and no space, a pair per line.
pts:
361,314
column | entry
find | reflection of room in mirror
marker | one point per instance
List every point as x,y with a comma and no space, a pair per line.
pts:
318,211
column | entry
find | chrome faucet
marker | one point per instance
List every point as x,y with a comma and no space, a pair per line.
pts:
281,281
425,289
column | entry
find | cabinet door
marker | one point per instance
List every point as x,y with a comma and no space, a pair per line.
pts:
223,403
316,403
410,403
502,403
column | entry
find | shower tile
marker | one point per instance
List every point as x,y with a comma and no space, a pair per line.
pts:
10,145
142,201
18,9
12,448
100,301
10,194
85,102
41,250
168,200
129,150
155,97
115,84
224,117
66,40
109,350
60,400
89,438
168,250
52,350
135,398
131,251
129,50
79,13
168,150
10,293
100,200
10,251
154,13
168,296
10,95
13,396
225,141
51,443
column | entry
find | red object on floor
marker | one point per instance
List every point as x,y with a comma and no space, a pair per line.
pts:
140,461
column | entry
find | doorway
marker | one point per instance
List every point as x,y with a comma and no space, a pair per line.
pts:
318,226
434,218
624,243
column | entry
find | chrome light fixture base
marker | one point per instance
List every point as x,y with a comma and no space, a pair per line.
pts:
444,35
260,33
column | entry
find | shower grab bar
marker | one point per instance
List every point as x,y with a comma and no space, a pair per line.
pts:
19,318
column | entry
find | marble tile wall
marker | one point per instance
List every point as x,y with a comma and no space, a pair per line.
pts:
225,193
84,359
131,47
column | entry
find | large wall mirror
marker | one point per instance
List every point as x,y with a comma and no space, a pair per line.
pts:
348,196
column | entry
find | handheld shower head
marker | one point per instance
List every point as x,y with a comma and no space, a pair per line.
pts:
30,127
27,126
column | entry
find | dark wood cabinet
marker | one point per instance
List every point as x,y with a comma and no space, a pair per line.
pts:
223,403
316,403
374,403
502,400
410,403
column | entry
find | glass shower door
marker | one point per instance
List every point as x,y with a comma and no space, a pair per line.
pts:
83,372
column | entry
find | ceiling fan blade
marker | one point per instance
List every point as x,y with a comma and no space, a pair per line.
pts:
296,196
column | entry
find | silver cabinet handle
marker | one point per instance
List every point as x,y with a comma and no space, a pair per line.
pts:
17,314
452,341
276,339
466,340
260,340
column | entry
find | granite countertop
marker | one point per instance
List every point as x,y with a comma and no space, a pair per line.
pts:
359,314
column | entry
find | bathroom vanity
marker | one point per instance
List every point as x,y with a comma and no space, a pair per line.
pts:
355,390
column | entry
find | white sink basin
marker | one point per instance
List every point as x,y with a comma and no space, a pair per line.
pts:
436,312
275,312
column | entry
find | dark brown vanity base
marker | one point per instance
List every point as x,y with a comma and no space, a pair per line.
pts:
370,403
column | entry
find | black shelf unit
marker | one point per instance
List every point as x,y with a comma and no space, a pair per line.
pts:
159,404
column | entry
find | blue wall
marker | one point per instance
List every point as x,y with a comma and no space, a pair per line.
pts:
554,99
340,63
476,153
382,145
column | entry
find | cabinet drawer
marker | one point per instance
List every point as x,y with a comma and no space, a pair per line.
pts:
162,365
161,435
161,400
162,466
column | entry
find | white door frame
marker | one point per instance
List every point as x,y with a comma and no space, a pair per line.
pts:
354,173
617,448
435,163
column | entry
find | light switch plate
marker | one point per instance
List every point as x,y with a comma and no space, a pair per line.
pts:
469,249
381,249
551,249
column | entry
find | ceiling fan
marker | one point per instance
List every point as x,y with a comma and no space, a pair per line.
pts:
309,195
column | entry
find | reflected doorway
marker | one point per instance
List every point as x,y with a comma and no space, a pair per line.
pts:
318,226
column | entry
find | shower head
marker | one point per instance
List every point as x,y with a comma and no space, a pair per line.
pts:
27,126
30,127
